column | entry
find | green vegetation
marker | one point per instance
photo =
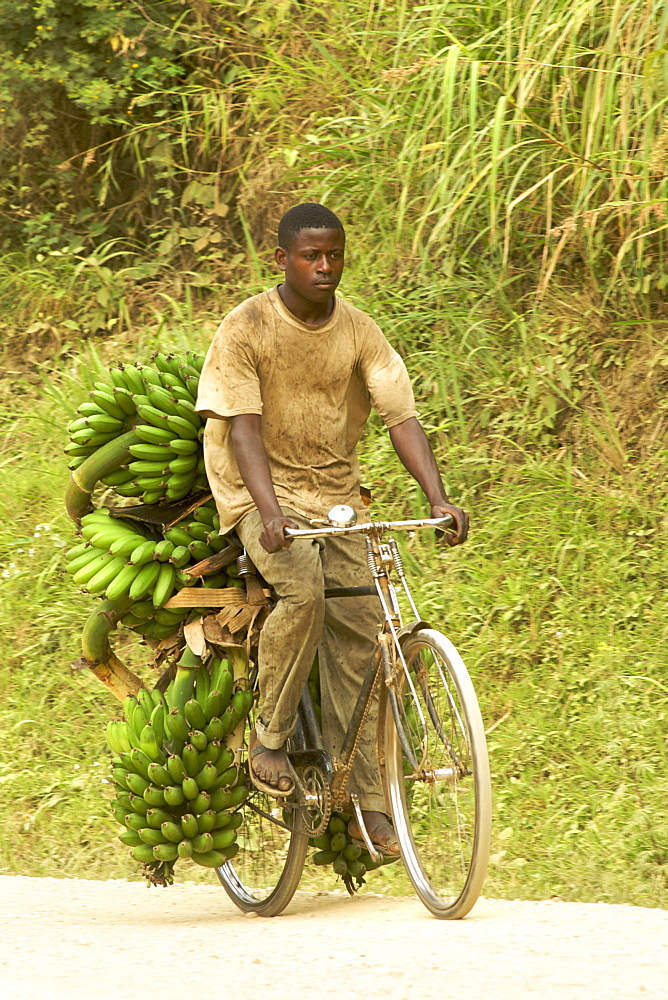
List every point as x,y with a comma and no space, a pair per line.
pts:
502,175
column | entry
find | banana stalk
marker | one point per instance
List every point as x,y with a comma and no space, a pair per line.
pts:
239,661
83,480
98,655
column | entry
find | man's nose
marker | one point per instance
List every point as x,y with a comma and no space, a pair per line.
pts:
324,264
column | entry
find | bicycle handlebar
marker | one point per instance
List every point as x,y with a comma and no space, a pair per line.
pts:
353,529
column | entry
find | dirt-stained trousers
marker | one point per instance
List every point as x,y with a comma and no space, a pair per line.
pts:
341,629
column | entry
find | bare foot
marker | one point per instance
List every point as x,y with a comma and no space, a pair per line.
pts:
271,767
380,830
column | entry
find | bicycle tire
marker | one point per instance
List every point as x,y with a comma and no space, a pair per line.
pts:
441,809
264,875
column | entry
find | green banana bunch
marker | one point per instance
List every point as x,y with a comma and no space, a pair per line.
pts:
178,791
159,404
335,847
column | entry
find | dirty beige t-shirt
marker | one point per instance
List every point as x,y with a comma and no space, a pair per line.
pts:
314,390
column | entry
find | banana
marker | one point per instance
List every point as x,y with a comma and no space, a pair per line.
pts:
215,729
206,821
152,453
101,580
163,550
157,721
119,477
125,545
133,379
180,557
140,468
167,365
189,826
85,557
137,784
182,464
198,532
139,806
150,376
187,411
212,705
124,400
155,817
222,838
143,854
178,727
149,743
339,865
206,777
205,515
200,804
174,795
177,769
161,399
223,819
91,566
134,821
152,837
86,409
324,857
181,426
120,585
190,788
107,403
191,762
155,417
140,762
184,446
179,536
202,843
154,796
212,859
117,378
164,584
339,841
104,424
130,838
194,714
144,581
181,392
120,776
185,849
152,435
116,734
151,497
213,751
198,740
142,553
200,550
172,832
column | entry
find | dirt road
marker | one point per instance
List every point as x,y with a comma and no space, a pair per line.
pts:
85,940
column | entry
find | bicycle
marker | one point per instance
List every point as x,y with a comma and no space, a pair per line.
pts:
431,748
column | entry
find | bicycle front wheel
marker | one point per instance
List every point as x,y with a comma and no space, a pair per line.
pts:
437,775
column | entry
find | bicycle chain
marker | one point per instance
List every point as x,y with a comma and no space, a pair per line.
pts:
340,780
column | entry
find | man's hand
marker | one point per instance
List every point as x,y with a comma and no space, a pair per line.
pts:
273,537
459,534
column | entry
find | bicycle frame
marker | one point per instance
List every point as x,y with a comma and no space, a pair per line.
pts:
382,557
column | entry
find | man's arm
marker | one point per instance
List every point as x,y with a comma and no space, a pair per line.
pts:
412,446
254,469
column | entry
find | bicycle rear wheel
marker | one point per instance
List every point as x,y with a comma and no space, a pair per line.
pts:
437,775
264,875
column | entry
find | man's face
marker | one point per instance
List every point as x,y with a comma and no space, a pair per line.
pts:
313,263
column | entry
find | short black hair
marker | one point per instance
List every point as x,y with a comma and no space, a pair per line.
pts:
309,215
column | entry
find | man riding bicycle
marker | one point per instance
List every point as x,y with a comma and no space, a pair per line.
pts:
288,384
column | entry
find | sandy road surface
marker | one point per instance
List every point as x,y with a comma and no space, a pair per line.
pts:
85,940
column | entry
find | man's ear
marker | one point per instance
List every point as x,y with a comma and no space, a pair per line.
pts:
280,255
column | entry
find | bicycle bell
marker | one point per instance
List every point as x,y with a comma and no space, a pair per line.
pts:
342,516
